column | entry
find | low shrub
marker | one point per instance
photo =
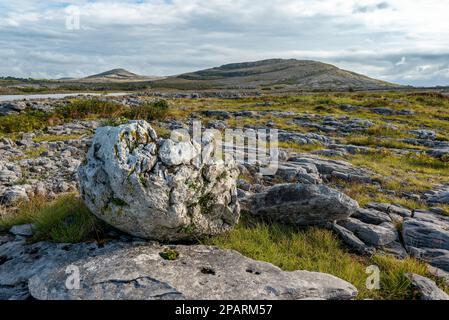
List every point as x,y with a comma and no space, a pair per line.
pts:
25,122
87,108
82,109
151,111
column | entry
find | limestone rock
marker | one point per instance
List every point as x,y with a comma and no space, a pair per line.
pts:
390,209
426,230
427,288
329,169
371,216
25,230
352,240
142,270
374,235
13,195
198,272
158,188
302,204
426,236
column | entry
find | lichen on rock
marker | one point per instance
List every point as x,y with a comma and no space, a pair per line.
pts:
142,184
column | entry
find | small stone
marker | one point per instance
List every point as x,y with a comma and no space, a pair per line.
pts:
25,230
13,195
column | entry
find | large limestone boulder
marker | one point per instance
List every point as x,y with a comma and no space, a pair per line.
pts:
158,189
301,204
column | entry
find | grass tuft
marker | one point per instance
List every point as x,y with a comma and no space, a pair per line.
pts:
65,220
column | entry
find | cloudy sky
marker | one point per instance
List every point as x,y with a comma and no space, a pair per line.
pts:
403,41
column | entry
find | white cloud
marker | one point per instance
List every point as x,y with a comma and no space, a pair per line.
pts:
386,39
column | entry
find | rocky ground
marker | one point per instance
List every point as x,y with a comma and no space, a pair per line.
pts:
372,169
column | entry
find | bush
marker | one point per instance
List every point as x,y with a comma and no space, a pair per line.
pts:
153,111
82,109
28,121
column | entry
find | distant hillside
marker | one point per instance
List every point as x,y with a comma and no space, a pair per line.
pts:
117,75
275,74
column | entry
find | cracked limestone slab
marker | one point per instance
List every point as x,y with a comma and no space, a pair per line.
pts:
199,272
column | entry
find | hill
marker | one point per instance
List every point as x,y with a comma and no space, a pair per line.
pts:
289,74
117,75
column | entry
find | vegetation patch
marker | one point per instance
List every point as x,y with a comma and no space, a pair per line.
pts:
82,109
158,110
301,147
55,138
169,254
320,250
31,153
372,141
64,220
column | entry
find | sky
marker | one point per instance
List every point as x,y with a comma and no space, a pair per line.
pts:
401,41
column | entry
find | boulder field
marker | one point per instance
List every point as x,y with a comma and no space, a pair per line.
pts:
161,190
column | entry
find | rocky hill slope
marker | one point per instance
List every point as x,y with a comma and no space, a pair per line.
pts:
116,75
276,74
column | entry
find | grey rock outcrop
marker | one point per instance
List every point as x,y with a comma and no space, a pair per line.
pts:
373,235
11,108
439,153
426,236
424,134
13,195
372,229
139,270
427,229
352,240
43,167
438,196
332,169
158,188
428,289
199,272
301,204
298,172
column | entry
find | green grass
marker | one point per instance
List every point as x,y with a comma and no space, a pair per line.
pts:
365,193
161,132
319,250
54,138
31,153
81,109
372,141
158,110
24,122
384,130
410,172
169,254
65,220
301,147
